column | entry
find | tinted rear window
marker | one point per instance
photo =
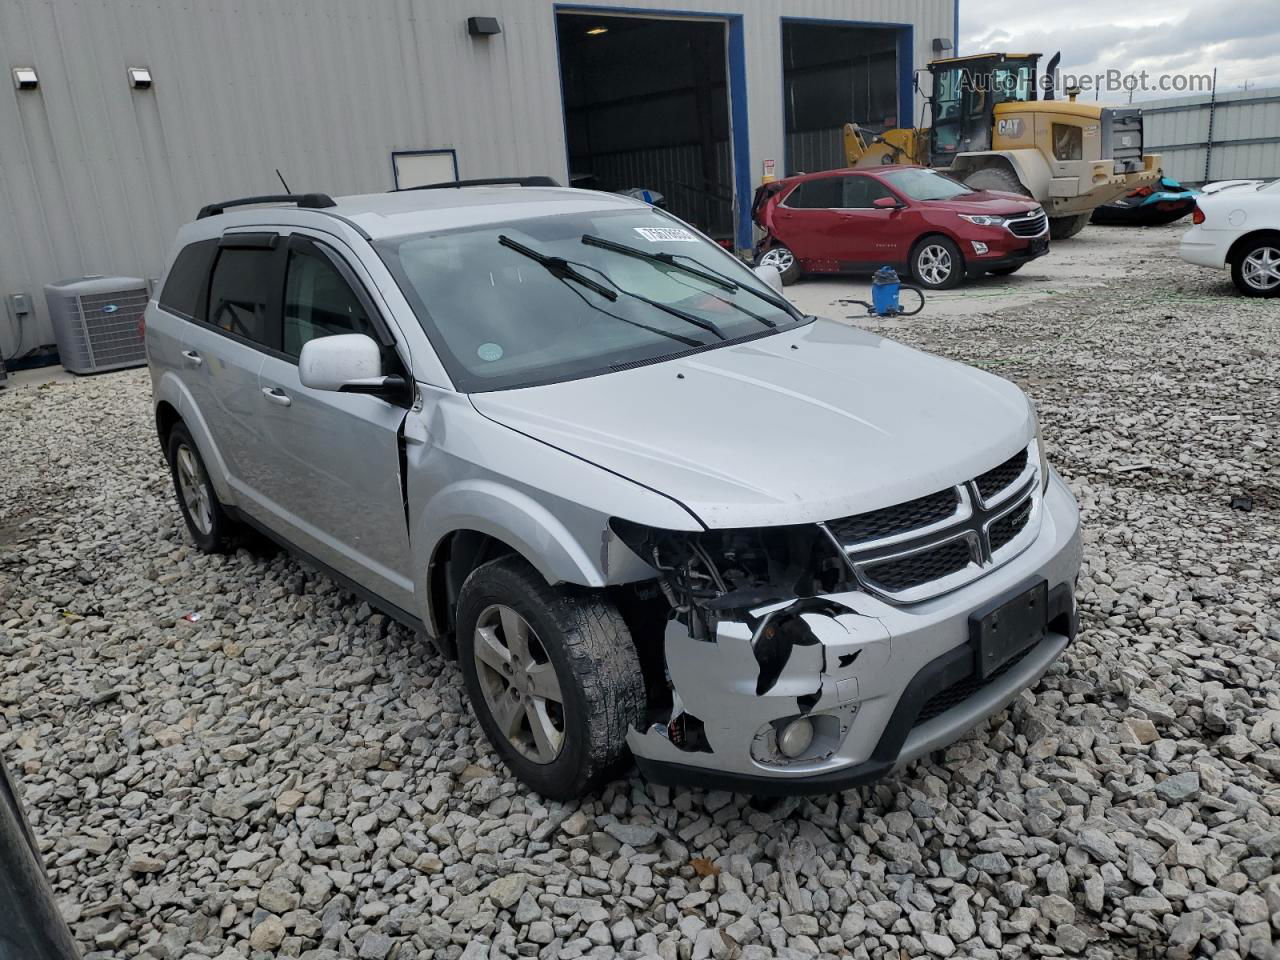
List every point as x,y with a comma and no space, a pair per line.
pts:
240,291
822,194
185,284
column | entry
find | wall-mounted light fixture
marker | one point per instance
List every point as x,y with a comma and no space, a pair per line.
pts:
941,44
596,31
483,26
140,78
25,78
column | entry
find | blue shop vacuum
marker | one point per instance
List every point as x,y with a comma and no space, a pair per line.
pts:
886,294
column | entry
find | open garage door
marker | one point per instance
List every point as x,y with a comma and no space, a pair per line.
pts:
646,106
833,74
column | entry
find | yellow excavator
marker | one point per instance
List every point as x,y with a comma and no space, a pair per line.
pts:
991,131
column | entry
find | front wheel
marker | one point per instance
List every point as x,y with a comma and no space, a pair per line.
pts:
936,263
552,675
1062,228
784,260
1256,271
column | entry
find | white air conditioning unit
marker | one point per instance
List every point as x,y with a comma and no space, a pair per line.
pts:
96,322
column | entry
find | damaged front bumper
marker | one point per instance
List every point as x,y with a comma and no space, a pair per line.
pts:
879,683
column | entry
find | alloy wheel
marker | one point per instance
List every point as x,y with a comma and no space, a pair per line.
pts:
934,264
1261,268
519,683
194,490
779,257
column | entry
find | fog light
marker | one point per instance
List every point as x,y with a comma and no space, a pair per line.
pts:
979,248
795,738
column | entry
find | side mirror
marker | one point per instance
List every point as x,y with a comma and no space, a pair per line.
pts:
345,363
770,275
885,203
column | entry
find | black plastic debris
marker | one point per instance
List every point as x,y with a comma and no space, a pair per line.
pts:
1242,503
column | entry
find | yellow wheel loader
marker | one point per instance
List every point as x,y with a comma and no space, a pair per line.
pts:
991,131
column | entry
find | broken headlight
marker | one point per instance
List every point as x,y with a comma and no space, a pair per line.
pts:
722,570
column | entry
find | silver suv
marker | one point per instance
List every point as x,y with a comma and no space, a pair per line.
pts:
651,508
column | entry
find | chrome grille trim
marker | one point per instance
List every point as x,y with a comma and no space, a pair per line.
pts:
972,523
1028,227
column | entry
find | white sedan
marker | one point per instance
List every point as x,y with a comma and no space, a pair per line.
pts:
1237,225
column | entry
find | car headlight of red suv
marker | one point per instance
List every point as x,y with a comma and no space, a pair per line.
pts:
982,219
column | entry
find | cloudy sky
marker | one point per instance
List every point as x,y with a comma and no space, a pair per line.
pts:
1239,37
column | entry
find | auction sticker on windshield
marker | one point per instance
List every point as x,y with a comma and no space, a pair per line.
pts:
659,234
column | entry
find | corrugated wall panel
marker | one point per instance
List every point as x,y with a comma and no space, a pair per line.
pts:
1178,129
95,177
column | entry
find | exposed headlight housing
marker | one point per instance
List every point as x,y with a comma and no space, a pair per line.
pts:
982,219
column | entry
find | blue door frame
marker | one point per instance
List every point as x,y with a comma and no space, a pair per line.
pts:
906,66
737,79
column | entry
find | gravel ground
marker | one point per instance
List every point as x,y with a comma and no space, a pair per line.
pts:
291,774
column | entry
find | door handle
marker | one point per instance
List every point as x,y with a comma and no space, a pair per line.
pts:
193,359
276,395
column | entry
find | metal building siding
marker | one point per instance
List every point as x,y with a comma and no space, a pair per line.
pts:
95,177
1246,135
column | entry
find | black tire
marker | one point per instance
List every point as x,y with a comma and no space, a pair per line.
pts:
1064,228
996,178
1005,271
790,264
1261,247
586,642
223,533
926,263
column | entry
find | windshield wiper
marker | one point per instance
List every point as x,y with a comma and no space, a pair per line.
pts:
724,283
558,267
702,272
562,269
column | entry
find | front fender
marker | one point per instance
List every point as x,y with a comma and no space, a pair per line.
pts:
1029,166
589,556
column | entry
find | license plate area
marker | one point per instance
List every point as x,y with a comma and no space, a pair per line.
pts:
1008,626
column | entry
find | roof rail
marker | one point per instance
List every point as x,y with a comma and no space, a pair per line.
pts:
312,201
486,182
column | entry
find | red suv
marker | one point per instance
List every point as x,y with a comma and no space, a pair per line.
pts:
912,218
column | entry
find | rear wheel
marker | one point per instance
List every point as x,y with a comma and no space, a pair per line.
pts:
207,521
996,178
1062,228
784,260
1256,269
552,675
936,263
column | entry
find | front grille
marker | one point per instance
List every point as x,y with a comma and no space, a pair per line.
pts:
900,518
1010,525
1029,227
962,690
952,535
903,573
999,478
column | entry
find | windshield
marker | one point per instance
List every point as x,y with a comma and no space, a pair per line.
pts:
526,302
920,184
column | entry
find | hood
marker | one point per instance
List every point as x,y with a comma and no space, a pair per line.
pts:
994,202
811,424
